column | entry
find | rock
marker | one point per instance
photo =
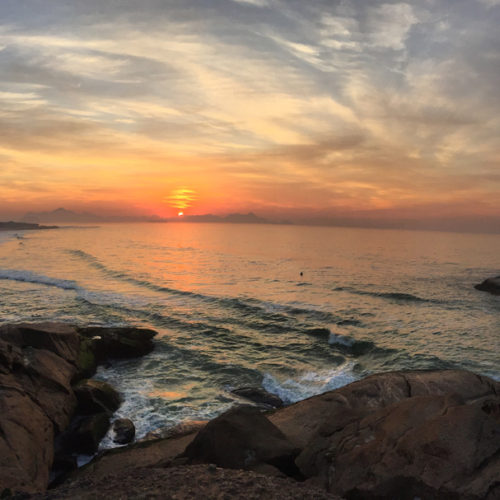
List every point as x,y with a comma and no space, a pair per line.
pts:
36,401
58,338
242,438
118,342
96,396
491,285
186,483
153,453
38,363
124,431
181,429
260,396
436,433
85,433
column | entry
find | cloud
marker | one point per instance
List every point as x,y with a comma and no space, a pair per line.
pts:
323,104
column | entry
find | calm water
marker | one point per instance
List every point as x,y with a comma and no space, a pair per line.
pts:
232,309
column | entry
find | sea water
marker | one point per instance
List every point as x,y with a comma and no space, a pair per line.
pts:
297,310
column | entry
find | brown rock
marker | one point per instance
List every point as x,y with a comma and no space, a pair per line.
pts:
436,433
96,396
242,438
35,402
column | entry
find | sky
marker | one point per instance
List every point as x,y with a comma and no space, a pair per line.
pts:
318,110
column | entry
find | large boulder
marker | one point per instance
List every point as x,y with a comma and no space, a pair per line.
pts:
118,342
242,438
96,396
491,285
123,431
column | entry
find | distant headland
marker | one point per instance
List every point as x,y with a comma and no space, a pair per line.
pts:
21,226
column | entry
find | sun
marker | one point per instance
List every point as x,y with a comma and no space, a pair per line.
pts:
180,214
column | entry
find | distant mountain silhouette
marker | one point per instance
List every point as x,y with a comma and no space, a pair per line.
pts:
68,216
62,215
249,218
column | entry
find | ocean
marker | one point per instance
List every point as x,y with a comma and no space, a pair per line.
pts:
298,310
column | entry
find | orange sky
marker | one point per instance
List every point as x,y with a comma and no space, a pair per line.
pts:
289,109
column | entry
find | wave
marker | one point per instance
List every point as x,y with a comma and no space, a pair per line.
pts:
309,383
265,310
397,296
31,277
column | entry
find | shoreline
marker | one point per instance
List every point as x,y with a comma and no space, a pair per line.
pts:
23,226
372,438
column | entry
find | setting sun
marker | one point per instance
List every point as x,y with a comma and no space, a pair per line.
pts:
180,214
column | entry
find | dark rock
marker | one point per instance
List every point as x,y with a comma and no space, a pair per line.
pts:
491,285
242,438
119,342
124,431
96,396
86,432
260,396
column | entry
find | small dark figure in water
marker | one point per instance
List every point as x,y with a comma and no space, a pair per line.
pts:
301,273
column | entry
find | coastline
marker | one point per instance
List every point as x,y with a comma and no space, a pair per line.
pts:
23,226
372,438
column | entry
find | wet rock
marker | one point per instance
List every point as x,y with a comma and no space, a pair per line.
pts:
242,438
260,396
491,285
96,396
181,429
124,431
118,342
85,433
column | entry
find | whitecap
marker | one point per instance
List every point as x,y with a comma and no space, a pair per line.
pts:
309,383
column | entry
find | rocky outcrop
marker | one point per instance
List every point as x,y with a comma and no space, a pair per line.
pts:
38,364
36,400
259,396
491,285
426,434
436,432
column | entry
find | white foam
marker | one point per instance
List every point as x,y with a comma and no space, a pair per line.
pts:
309,384
336,338
31,277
